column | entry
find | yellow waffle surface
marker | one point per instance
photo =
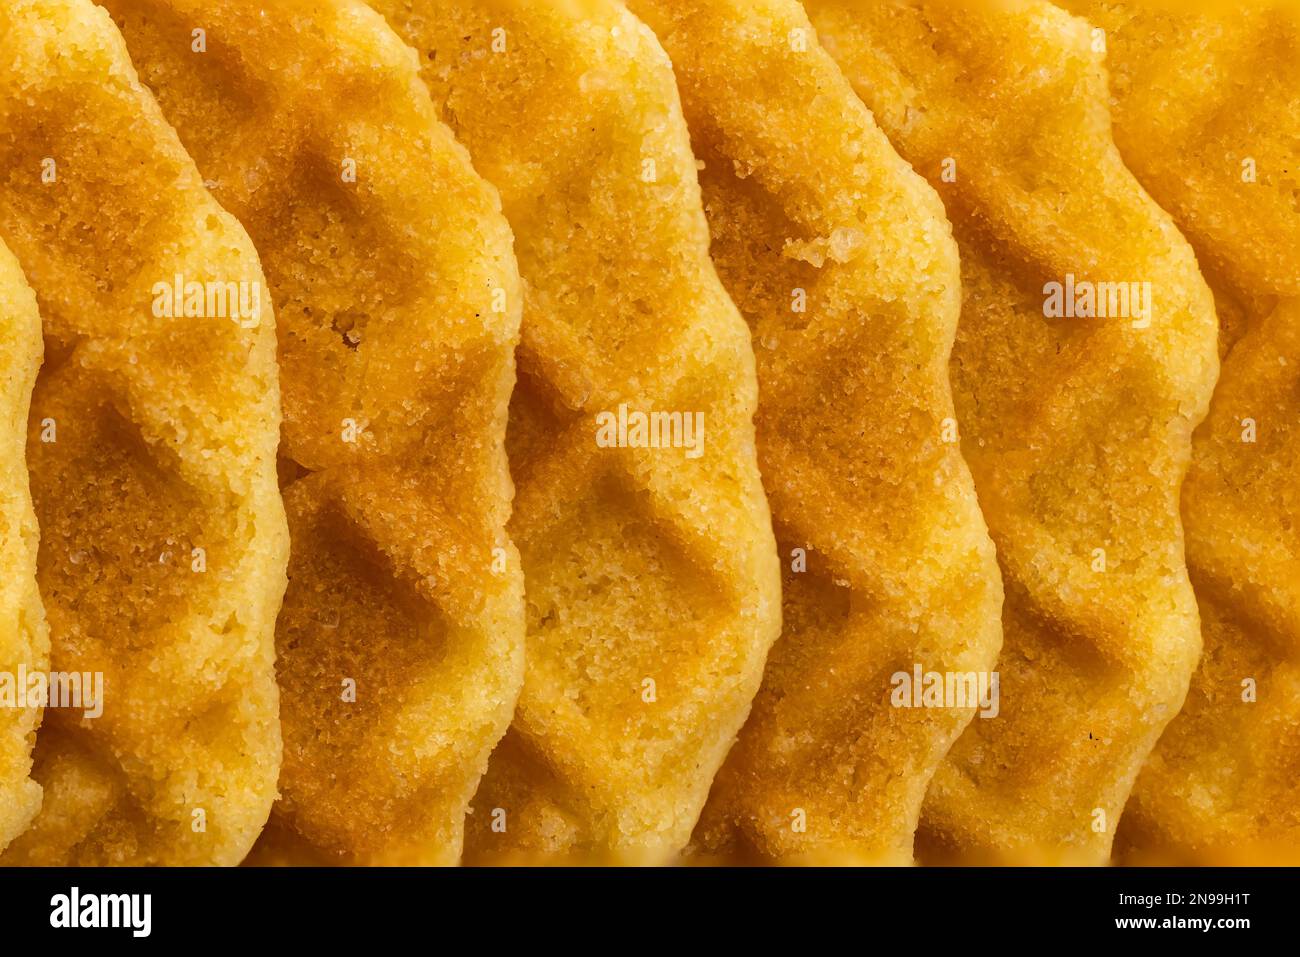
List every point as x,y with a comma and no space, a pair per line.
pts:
152,456
1207,114
847,273
24,637
401,641
651,577
1077,426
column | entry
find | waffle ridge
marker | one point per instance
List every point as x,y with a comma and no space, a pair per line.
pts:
1223,785
847,273
152,457
1077,427
399,300
24,635
641,564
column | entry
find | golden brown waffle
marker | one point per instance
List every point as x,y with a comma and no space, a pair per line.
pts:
1207,109
847,273
24,637
652,585
1077,428
152,457
401,640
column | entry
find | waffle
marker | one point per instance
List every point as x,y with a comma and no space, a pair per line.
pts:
651,576
152,459
847,273
24,637
400,646
1077,426
1223,786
